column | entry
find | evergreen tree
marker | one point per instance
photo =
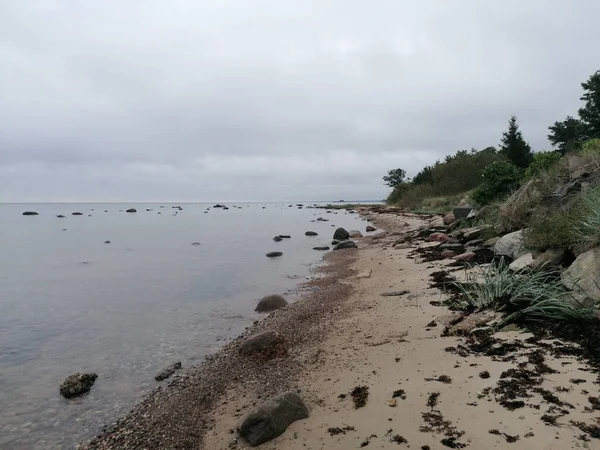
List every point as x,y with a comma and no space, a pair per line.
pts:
567,135
590,113
514,147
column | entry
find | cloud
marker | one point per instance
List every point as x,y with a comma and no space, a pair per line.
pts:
262,100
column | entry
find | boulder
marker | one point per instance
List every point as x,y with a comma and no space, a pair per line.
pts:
77,214
550,258
438,222
448,254
564,195
510,245
272,418
340,234
311,233
462,211
582,275
278,238
77,384
284,236
438,237
521,263
131,210
167,371
323,248
470,234
464,256
370,228
266,345
345,244
355,234
449,219
271,303
274,254
334,242
30,213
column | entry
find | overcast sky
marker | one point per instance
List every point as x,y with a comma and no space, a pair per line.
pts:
192,100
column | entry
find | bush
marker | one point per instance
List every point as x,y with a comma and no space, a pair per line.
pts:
499,179
542,161
551,230
590,148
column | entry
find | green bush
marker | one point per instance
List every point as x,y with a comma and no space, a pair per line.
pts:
498,180
590,148
551,230
542,161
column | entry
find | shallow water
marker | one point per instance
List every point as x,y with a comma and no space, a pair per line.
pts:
71,303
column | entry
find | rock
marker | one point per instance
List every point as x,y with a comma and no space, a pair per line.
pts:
334,242
510,245
452,246
60,216
364,274
470,234
521,263
131,210
438,222
311,233
471,322
474,243
284,236
266,345
462,211
219,206
464,256
491,242
107,242
271,303
582,275
274,254
77,384
272,418
323,248
77,214
448,254
438,237
581,166
167,371
564,195
402,245
395,293
355,234
30,213
449,219
195,244
345,244
550,258
341,234
370,228
278,238
320,219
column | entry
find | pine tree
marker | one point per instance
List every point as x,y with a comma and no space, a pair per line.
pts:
514,147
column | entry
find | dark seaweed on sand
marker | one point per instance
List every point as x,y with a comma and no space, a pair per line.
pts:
359,396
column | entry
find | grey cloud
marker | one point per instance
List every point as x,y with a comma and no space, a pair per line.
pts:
200,100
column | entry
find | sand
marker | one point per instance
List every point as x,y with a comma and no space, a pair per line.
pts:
384,343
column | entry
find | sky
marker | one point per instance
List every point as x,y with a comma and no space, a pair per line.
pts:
255,100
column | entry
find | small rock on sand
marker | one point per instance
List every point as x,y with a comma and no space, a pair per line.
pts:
274,254
355,234
438,237
448,254
365,274
266,345
272,418
271,303
77,384
167,371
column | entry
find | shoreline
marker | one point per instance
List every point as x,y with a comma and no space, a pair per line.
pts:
348,335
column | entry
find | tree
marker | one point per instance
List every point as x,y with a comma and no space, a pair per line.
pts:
425,176
498,180
590,113
514,147
567,135
395,177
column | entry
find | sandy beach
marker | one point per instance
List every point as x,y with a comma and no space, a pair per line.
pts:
423,390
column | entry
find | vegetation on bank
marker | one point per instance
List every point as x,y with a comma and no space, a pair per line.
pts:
488,175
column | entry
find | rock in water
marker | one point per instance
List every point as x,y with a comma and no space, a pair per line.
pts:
311,233
77,384
321,248
77,214
107,242
371,228
278,238
284,236
334,242
266,345
131,210
168,371
345,244
271,303
340,234
60,216
272,418
274,254
30,213
355,234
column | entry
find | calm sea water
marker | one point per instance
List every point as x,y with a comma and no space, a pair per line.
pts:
71,303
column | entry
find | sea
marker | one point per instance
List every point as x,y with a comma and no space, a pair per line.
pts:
124,294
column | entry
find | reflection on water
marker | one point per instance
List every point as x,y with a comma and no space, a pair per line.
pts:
69,302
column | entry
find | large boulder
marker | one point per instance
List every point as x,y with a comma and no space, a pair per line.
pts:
583,274
340,234
30,213
355,234
77,384
462,211
271,303
272,418
345,244
510,245
266,345
449,219
167,371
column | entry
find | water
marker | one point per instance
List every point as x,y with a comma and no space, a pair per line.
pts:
71,303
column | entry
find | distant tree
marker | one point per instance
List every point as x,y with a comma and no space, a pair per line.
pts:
590,112
514,147
425,176
567,135
395,177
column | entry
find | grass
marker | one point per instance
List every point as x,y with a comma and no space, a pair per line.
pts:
585,231
536,296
